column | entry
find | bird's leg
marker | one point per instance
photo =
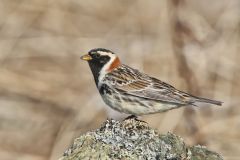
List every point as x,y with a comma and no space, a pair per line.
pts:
133,117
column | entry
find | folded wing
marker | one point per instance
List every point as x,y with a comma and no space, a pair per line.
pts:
132,82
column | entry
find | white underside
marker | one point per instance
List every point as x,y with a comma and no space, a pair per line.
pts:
144,107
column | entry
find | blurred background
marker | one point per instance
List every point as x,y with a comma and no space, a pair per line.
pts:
48,96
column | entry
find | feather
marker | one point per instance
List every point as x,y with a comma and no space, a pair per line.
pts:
130,81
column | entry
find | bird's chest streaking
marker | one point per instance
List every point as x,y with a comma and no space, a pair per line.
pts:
130,104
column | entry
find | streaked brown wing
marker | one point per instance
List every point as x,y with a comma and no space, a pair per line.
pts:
132,82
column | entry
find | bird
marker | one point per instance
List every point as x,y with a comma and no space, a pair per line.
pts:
129,91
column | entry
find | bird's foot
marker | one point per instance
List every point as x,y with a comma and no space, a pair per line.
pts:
133,117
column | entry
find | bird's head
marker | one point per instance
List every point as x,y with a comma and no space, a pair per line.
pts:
101,61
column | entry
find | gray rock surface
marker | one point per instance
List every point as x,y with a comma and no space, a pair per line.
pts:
132,139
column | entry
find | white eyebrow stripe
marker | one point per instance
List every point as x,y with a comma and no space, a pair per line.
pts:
106,53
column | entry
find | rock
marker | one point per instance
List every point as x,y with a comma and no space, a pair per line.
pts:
133,139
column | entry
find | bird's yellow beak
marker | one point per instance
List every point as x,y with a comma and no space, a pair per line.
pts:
86,57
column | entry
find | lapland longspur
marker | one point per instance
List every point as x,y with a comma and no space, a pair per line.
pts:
130,91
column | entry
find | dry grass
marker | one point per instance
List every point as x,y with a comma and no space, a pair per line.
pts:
45,88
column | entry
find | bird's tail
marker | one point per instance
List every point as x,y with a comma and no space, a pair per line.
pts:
205,100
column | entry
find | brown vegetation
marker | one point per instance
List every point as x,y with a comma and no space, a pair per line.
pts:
48,96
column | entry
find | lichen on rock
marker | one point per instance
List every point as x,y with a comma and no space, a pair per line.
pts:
133,139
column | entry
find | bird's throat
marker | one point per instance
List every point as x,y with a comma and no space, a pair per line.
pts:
95,68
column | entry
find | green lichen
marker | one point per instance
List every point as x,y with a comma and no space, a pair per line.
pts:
200,152
132,139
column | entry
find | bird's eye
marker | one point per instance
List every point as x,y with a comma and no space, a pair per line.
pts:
96,55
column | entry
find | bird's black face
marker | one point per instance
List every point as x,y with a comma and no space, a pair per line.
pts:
97,59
